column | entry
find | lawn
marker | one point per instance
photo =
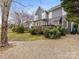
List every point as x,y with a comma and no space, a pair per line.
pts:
12,36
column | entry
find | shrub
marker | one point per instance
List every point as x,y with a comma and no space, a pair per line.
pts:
46,32
14,29
74,29
11,26
62,30
52,33
55,32
33,31
75,25
78,31
20,29
39,30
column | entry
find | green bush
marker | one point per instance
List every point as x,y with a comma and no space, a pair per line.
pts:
14,29
78,31
74,29
39,31
62,30
11,26
20,29
33,31
75,25
55,32
52,33
46,32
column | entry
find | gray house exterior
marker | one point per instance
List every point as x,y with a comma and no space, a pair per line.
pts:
40,17
54,16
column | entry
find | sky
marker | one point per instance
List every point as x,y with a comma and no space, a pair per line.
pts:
31,5
46,4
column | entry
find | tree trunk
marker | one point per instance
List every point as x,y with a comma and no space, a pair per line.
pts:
4,28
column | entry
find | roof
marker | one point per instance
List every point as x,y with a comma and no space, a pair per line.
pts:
55,7
40,8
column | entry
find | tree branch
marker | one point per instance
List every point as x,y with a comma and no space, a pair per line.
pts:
22,4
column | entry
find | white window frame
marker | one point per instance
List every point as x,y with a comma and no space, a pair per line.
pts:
36,17
44,15
50,15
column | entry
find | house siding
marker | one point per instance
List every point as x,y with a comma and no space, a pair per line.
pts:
52,17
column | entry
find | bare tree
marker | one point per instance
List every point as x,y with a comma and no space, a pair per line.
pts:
21,18
5,7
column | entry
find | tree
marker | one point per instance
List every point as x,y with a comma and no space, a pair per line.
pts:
72,9
23,18
5,7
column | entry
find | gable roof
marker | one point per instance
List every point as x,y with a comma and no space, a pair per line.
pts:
51,9
40,8
54,8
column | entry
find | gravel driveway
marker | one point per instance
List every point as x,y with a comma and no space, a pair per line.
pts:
64,48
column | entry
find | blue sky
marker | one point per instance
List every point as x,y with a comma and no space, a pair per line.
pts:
46,4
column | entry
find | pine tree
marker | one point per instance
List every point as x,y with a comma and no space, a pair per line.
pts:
72,9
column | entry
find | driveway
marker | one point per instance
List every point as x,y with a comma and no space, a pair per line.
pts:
65,48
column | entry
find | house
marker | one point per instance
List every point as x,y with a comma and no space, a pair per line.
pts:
54,16
40,17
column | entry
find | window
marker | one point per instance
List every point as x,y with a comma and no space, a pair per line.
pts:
60,21
63,12
50,15
44,15
35,17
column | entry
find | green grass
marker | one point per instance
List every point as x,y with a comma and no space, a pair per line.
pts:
12,36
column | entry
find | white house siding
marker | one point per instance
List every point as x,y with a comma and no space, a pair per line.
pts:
54,16
64,22
57,13
44,15
72,23
36,17
50,15
39,23
63,12
54,21
31,24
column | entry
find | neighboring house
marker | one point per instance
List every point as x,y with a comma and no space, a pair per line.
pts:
54,16
28,24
